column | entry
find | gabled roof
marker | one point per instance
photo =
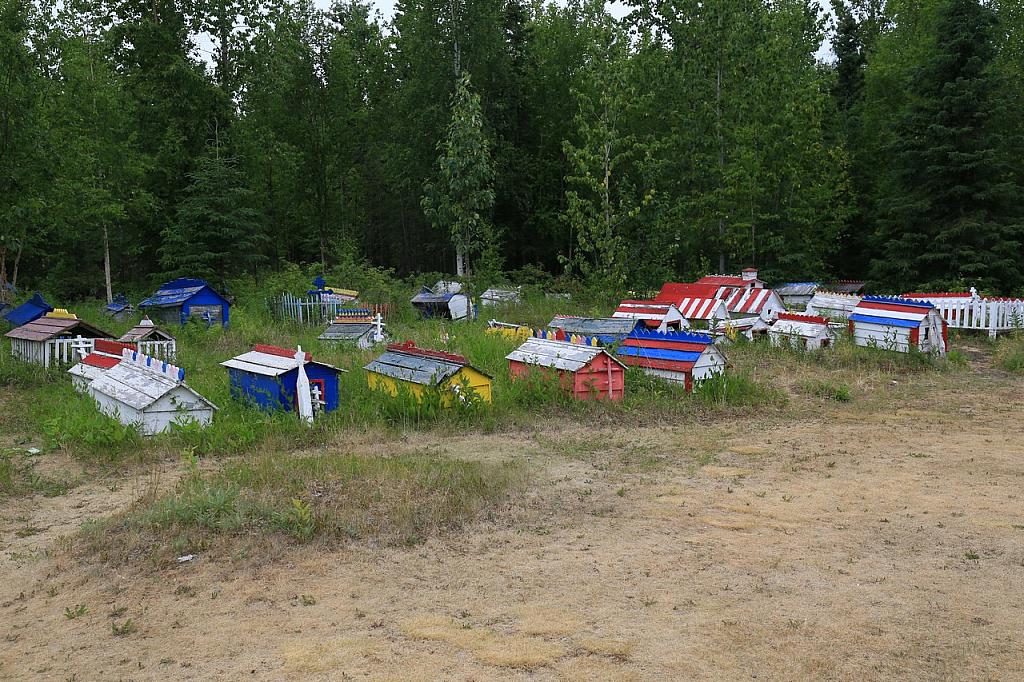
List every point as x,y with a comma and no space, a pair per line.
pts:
500,296
560,355
119,304
345,331
797,289
428,297
652,313
792,324
176,292
46,328
107,354
30,310
746,301
144,330
270,361
418,365
895,312
138,386
594,326
702,308
846,286
672,351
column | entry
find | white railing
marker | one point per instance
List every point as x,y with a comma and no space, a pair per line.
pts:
993,315
314,310
63,352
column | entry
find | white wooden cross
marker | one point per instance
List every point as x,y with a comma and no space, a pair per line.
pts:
81,347
378,328
317,398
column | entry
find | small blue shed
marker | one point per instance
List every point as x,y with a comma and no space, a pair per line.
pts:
268,376
29,311
178,301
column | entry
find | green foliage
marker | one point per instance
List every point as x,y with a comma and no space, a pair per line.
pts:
1010,353
460,200
736,390
829,390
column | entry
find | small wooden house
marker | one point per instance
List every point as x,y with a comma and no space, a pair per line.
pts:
119,308
443,304
898,324
404,367
746,279
105,354
151,339
845,286
797,294
181,300
683,357
607,330
274,378
149,394
29,311
57,338
359,327
659,315
831,304
585,372
751,302
748,327
508,330
500,297
807,332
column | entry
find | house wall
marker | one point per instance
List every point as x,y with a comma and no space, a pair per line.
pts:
29,351
205,300
710,363
881,336
287,382
480,383
179,406
600,378
125,414
263,391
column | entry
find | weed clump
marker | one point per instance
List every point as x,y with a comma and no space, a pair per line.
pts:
829,390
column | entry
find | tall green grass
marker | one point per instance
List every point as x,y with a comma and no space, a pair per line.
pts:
1010,353
329,497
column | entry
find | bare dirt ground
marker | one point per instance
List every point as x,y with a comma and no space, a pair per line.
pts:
878,539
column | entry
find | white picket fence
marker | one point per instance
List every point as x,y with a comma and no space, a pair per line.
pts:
993,315
63,352
313,310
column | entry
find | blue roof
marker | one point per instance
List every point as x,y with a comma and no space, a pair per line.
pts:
898,301
30,310
176,292
679,336
887,321
118,304
428,297
661,353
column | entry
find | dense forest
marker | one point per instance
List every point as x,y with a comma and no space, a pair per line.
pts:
218,138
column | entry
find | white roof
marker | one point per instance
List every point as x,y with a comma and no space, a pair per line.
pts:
137,386
88,372
809,330
557,354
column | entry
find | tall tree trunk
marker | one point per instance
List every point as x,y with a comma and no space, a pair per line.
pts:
3,274
721,151
17,262
106,264
460,261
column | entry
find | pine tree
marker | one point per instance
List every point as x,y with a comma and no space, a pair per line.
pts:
462,195
951,217
217,233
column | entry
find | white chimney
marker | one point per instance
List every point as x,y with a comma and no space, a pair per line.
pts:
749,274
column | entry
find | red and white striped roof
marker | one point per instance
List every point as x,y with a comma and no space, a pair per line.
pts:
654,314
703,308
746,301
893,308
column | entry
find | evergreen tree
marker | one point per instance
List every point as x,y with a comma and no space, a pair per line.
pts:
216,234
951,217
461,197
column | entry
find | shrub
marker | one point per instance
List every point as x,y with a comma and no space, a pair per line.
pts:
1010,353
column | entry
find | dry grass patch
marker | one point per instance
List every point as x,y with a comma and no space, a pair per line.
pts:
399,500
589,668
328,655
613,648
540,620
487,646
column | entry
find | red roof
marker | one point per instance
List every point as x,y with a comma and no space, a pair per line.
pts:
410,348
673,292
281,352
796,317
113,347
100,360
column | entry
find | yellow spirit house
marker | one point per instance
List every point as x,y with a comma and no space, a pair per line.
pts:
406,368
